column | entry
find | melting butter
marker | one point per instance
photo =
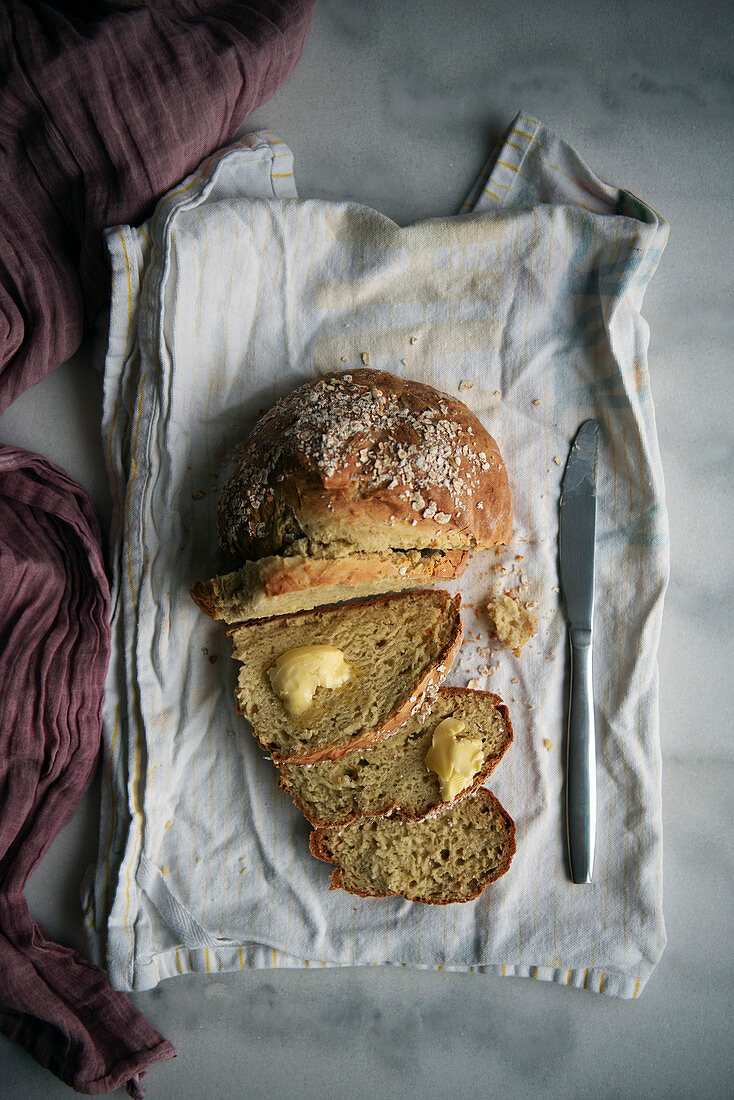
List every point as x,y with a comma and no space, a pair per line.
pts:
299,672
454,759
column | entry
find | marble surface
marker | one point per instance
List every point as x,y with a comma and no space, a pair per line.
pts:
397,105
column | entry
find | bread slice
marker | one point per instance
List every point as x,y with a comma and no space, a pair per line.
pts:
450,856
400,648
281,584
392,777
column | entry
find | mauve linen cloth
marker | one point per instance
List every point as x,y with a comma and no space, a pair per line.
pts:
103,107
54,626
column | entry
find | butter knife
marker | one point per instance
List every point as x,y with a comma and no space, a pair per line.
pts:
577,542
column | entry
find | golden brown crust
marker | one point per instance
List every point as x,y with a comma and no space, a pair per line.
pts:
281,575
365,458
425,688
204,595
394,809
319,845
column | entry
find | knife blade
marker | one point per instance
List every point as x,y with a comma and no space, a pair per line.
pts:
577,541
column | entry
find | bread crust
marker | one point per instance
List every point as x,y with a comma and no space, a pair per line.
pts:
371,460
204,595
318,844
427,686
280,576
394,809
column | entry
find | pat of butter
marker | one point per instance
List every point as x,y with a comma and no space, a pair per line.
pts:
454,760
299,672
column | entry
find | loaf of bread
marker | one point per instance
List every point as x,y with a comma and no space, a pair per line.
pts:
399,648
450,856
392,777
297,581
368,462
350,490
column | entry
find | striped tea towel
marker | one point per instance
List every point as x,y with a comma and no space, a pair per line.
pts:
527,305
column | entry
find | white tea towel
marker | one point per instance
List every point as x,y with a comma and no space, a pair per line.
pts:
527,306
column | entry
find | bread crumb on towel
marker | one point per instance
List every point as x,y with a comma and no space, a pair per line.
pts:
513,622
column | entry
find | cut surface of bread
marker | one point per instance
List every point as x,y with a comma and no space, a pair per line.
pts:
399,648
450,856
392,777
298,581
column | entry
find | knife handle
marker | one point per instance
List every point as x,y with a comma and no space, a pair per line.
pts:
581,760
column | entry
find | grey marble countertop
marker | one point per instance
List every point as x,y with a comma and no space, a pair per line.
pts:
397,106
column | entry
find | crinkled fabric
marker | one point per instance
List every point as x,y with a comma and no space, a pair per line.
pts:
54,652
527,305
103,107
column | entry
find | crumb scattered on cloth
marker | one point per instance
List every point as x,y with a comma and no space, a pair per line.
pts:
514,623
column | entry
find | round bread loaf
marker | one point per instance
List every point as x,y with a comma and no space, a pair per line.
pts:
366,461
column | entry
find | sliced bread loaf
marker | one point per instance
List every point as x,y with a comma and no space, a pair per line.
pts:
368,459
399,648
392,777
298,581
450,856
